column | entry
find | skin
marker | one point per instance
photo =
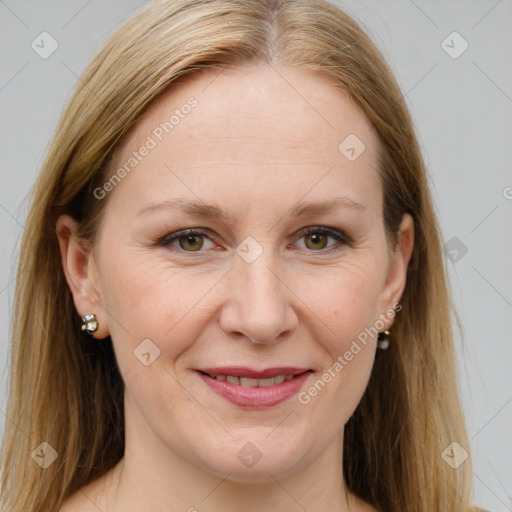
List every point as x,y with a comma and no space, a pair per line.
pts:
260,141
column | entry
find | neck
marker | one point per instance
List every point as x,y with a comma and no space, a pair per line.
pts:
152,477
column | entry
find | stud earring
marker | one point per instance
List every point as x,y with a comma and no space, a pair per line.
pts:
90,323
383,340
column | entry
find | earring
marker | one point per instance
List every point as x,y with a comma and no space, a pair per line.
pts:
90,323
383,340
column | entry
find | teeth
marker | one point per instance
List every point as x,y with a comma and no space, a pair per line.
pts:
232,380
248,382
265,383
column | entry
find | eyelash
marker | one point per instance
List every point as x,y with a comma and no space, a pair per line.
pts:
341,238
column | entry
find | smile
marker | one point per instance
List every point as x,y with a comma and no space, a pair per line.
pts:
253,389
248,382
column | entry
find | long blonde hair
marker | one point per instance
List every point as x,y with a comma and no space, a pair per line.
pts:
69,393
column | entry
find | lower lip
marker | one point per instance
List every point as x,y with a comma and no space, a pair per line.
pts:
256,398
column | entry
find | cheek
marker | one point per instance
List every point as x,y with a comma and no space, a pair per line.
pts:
149,297
146,298
347,305
347,300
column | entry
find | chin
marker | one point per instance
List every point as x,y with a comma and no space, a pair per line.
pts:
256,461
261,472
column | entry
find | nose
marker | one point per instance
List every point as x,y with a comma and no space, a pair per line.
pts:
259,303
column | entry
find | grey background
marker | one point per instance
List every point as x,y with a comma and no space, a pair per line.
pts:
462,110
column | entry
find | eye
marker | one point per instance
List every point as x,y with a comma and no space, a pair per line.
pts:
316,238
189,240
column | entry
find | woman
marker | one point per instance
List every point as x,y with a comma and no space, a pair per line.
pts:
231,291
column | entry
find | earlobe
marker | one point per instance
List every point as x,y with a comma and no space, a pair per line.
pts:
397,272
79,268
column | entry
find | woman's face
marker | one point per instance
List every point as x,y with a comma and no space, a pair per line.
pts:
287,269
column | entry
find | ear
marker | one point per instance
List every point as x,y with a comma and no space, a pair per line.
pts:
81,274
397,270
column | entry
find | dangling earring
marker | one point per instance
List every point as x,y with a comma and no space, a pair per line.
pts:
383,340
89,323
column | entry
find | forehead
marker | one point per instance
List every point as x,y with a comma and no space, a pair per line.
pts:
258,125
274,104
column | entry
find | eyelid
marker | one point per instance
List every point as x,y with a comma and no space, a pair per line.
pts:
341,236
169,237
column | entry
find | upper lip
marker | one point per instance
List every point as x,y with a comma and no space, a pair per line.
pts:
242,371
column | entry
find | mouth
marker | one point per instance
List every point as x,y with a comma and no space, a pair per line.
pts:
255,389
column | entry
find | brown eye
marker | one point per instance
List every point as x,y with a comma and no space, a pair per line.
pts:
191,242
316,241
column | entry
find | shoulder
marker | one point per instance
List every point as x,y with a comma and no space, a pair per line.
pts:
75,503
91,497
83,500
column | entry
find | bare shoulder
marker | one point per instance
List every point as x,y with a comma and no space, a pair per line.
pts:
83,500
364,506
76,502
91,497
80,502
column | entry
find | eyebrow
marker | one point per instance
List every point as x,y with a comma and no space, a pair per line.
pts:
325,206
203,210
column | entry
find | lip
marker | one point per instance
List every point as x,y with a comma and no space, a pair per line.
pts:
242,371
255,398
